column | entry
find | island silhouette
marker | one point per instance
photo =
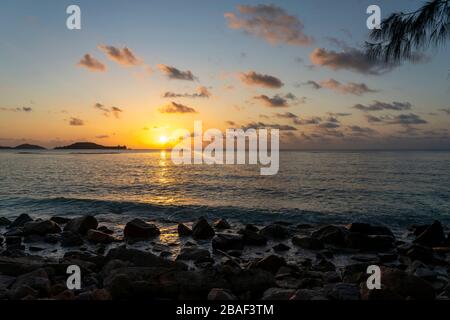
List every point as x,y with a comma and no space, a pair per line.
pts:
90,146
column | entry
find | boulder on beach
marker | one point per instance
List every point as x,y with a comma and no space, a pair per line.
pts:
275,231
270,263
195,254
222,224
333,235
227,241
184,230
20,221
41,228
96,236
252,238
432,236
217,294
71,239
4,222
307,243
368,229
365,242
202,229
81,225
139,229
273,294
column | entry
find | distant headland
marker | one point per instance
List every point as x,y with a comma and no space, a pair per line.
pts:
89,146
25,147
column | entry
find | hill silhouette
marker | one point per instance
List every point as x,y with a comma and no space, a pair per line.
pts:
89,146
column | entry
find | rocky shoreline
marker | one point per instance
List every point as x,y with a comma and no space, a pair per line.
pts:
223,260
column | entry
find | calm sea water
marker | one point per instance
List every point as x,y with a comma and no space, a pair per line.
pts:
391,188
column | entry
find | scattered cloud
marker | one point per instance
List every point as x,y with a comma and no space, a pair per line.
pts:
202,92
270,23
378,106
402,119
445,110
107,111
92,64
252,78
76,122
123,56
22,109
174,73
362,130
103,136
350,59
230,123
286,115
116,112
174,107
357,89
262,125
274,102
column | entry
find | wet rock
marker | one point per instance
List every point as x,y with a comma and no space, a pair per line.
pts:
35,249
41,228
22,293
16,232
37,280
421,253
368,229
355,273
309,294
307,243
281,247
71,239
60,220
421,270
139,229
275,231
101,295
254,281
217,294
193,254
81,225
324,265
20,221
227,241
183,230
14,266
278,294
222,224
342,291
96,236
331,235
369,242
52,238
4,222
270,263
388,257
202,230
105,229
11,240
251,227
252,238
141,258
432,236
400,284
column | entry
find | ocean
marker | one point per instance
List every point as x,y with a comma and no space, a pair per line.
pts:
393,188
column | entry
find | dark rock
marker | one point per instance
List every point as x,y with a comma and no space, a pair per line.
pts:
20,221
4,222
101,295
421,253
343,291
52,238
397,283
324,265
96,236
139,229
251,227
41,228
35,249
217,294
254,281
14,266
281,247
270,263
369,242
331,234
275,231
368,229
419,229
309,294
105,229
222,224
71,239
278,294
307,243
388,257
81,225
60,220
227,241
37,280
251,238
16,232
142,259
193,254
432,236
303,226
183,230
13,240
202,229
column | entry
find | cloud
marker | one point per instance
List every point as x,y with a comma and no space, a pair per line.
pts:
274,102
174,107
174,73
286,115
308,121
339,114
402,119
262,125
124,56
103,136
22,109
107,111
92,64
230,123
252,78
445,110
269,22
329,125
350,59
357,89
362,130
378,106
202,92
76,122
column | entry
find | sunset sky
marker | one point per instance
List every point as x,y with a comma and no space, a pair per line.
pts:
137,70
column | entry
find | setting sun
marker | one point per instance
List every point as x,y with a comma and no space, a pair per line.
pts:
163,139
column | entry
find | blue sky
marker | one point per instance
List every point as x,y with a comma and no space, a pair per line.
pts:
39,56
